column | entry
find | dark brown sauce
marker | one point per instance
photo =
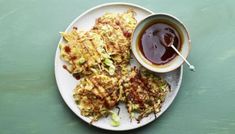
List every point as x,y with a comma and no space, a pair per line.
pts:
65,67
67,49
77,76
152,40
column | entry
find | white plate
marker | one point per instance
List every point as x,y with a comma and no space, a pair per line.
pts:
66,83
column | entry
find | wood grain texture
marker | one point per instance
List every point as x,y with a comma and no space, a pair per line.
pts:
30,101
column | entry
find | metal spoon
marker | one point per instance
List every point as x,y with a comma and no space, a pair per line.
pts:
172,36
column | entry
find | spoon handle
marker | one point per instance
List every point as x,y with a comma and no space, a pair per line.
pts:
191,67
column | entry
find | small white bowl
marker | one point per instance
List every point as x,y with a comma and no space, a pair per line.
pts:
185,42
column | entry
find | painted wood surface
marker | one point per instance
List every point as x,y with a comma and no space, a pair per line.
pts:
30,102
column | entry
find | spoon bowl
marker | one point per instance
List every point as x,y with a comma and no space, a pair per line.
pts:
167,40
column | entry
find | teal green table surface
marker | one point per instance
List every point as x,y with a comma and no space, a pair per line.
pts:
30,102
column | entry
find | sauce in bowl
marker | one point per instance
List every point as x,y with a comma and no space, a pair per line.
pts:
151,43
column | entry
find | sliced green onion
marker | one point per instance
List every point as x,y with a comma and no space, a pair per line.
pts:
81,60
115,119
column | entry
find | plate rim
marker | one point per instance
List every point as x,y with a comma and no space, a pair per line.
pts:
57,49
